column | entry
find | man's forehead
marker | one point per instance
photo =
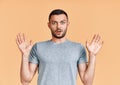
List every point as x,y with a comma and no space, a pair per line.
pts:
60,17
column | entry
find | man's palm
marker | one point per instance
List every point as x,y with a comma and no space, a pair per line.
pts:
95,45
23,45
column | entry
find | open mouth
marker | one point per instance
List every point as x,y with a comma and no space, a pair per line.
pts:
58,32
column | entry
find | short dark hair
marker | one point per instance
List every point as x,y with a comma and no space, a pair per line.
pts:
57,12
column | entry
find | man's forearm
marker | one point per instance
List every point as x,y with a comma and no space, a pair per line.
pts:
24,71
90,71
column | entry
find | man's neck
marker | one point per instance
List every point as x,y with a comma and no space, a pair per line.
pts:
57,40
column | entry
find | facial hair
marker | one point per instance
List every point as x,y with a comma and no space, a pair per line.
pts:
56,36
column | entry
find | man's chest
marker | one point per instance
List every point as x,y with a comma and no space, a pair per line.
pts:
58,55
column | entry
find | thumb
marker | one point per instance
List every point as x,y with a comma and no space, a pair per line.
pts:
87,44
30,44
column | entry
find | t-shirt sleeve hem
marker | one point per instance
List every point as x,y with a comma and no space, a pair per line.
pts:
33,62
85,61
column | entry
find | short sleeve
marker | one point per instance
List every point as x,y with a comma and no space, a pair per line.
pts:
33,57
82,56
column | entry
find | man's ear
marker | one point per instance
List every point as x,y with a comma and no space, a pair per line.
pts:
68,22
48,24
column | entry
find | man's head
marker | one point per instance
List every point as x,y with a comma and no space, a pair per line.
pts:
58,23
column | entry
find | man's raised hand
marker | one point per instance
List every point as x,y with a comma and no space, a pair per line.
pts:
95,45
23,44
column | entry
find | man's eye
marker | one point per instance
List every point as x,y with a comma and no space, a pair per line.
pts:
53,23
62,22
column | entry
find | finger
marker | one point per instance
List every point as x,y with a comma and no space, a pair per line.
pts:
101,42
24,39
30,42
17,42
98,38
87,44
19,39
93,39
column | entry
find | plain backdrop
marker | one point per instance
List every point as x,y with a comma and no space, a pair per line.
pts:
87,17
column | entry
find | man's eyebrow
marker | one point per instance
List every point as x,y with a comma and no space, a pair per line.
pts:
63,20
53,21
57,21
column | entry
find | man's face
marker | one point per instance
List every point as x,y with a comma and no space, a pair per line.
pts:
58,25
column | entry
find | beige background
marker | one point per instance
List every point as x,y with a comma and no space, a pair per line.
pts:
86,18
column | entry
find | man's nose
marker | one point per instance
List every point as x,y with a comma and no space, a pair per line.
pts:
58,25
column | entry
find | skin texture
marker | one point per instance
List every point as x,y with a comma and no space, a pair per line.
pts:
58,25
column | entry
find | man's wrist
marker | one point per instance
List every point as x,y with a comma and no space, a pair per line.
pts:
91,54
25,54
92,57
25,57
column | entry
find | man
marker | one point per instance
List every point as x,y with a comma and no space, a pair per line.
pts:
58,59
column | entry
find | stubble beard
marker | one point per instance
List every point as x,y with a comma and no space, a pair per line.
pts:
57,36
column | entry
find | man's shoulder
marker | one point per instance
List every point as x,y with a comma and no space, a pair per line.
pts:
75,46
75,43
42,42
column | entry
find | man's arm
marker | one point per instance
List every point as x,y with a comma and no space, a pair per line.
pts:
27,70
86,71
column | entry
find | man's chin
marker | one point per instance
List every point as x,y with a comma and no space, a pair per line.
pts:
59,36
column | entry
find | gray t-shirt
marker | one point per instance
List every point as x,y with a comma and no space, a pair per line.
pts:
57,63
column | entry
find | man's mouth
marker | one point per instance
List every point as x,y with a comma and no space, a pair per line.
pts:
58,32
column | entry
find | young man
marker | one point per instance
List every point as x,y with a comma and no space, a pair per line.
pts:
58,59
